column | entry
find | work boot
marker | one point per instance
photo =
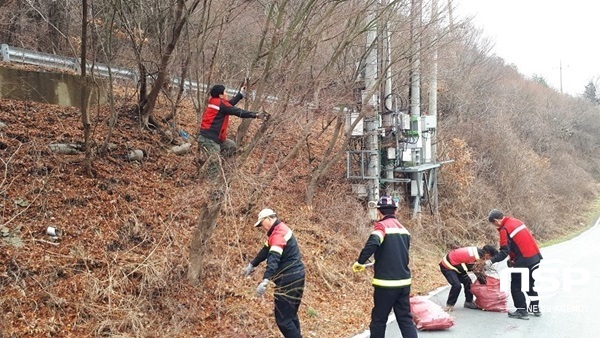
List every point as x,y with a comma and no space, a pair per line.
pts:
519,314
471,305
534,310
449,308
536,313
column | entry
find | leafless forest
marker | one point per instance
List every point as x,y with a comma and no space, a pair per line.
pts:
149,252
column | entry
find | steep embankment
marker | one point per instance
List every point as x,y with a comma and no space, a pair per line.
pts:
120,267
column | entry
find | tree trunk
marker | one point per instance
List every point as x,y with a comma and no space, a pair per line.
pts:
181,19
85,119
327,162
181,89
206,224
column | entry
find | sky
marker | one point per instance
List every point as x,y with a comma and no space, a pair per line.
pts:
548,38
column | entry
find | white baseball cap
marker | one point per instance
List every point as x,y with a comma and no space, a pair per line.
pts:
264,213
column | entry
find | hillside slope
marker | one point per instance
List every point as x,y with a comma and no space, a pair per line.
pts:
119,270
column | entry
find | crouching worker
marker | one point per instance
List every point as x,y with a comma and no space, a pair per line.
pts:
455,265
212,136
284,268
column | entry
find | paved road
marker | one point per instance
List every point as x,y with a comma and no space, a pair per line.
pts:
569,287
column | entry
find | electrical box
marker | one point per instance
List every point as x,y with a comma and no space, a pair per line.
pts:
427,150
405,121
415,189
391,153
407,155
358,129
429,122
360,190
416,156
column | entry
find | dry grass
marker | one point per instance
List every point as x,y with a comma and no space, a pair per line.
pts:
121,268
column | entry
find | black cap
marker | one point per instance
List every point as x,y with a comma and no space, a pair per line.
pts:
495,214
217,90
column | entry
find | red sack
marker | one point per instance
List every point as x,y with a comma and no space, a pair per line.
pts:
427,315
488,295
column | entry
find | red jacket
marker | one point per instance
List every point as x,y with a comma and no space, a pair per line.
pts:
216,117
461,260
517,242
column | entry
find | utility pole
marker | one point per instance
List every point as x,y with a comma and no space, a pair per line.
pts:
415,87
434,72
560,74
387,105
397,141
370,101
433,100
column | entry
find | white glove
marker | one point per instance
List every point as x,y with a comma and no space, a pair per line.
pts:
488,263
262,287
243,91
263,116
248,270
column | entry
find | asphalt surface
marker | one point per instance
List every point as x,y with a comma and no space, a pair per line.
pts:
568,284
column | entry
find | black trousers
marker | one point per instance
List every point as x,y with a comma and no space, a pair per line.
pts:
456,279
518,295
287,302
385,300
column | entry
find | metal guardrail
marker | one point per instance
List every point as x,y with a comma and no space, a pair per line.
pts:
116,72
189,85
14,54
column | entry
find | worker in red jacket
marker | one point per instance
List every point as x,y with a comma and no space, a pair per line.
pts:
212,137
518,244
455,267
389,244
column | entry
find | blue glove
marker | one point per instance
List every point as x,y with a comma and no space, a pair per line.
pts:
262,287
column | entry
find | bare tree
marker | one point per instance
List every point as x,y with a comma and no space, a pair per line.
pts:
84,100
107,52
182,13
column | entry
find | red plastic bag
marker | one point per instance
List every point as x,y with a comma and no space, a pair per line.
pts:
488,295
427,315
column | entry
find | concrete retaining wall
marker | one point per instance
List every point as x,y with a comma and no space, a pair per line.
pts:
47,87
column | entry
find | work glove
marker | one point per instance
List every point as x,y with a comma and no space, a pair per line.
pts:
357,267
243,91
248,270
262,287
488,264
263,116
